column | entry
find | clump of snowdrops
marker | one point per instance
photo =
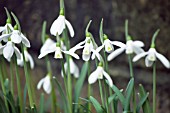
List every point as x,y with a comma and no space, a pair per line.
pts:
14,49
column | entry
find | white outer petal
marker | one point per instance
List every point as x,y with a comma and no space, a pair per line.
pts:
137,49
74,69
71,54
30,59
163,60
25,41
47,85
15,37
117,43
93,77
70,28
58,25
1,49
17,52
95,53
138,43
148,63
8,50
20,62
115,53
2,28
4,36
108,78
40,83
47,45
137,57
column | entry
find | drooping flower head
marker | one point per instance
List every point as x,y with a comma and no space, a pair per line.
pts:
98,74
152,55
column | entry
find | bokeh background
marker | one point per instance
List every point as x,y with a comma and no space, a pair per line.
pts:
145,17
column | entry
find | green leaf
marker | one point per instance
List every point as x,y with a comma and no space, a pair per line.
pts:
96,105
61,93
101,31
42,103
43,32
119,94
11,101
79,83
17,21
141,102
3,108
112,97
129,93
88,25
146,105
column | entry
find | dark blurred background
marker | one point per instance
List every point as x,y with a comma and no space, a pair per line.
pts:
145,17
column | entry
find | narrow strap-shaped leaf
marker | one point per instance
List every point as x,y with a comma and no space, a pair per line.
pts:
43,33
119,94
101,31
42,103
17,21
141,102
146,105
129,94
80,82
96,105
61,93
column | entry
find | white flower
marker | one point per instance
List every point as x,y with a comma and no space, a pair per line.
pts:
129,48
5,29
58,52
16,37
59,25
47,45
28,58
73,68
151,57
8,49
98,74
46,84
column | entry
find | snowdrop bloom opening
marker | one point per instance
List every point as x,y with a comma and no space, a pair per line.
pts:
28,58
46,84
59,25
151,57
73,68
98,74
129,48
8,27
8,50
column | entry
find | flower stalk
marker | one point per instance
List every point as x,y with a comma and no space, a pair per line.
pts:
154,87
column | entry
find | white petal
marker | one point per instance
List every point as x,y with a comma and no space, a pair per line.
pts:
45,52
15,37
2,28
138,43
78,46
95,53
40,83
25,41
117,43
163,60
20,62
86,57
137,57
47,45
108,78
30,60
148,63
93,77
70,28
8,51
74,69
115,53
4,37
58,25
72,54
47,84
17,52
137,49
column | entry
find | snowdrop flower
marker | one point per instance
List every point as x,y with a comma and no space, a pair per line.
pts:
60,24
73,68
16,37
28,58
8,27
130,47
48,44
151,57
98,74
58,52
46,84
8,50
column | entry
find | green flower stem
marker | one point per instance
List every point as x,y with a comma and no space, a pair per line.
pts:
132,76
101,92
154,87
89,87
53,95
12,77
27,79
65,83
19,86
2,84
106,96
